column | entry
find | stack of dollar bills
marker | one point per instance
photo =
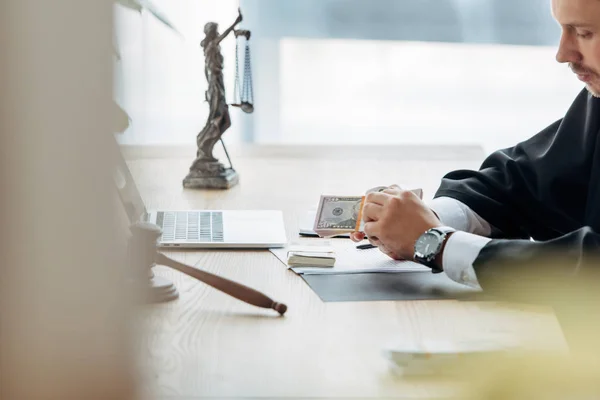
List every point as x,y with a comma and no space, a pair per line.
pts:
311,256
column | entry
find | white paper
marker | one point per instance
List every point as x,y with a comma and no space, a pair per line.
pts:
350,260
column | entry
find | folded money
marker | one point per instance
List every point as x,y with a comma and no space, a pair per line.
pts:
311,255
343,214
310,259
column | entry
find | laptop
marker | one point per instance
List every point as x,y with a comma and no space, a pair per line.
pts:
228,229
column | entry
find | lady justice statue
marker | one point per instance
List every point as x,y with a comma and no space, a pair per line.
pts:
206,171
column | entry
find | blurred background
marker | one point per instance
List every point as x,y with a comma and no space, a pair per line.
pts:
350,71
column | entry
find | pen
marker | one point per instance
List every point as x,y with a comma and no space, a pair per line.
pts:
365,246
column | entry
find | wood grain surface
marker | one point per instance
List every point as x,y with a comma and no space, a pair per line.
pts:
209,345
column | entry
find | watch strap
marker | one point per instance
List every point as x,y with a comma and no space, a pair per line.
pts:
443,231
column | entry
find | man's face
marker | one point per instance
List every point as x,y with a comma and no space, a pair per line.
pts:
580,40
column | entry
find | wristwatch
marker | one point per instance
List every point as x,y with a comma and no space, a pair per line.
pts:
429,245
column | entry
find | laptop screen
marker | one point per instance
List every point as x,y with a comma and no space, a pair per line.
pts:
128,192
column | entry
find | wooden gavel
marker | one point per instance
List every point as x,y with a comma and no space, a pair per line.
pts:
144,255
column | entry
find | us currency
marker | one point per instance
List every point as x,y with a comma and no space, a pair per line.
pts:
337,215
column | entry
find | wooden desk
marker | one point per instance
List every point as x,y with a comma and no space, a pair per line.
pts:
209,345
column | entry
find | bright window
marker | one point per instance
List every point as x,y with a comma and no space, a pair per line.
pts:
352,71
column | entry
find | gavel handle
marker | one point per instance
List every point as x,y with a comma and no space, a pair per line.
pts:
234,289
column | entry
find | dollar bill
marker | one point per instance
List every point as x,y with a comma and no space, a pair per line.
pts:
338,215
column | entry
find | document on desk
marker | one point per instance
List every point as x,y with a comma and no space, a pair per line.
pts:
447,358
350,260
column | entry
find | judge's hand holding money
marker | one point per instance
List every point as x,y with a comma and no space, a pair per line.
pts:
394,220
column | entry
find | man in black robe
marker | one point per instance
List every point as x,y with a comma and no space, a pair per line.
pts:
531,214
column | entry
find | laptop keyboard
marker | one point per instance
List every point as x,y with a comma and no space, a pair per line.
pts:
191,226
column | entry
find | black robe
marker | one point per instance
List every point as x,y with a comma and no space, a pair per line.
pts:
547,189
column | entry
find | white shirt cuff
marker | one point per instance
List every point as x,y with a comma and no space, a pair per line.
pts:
450,213
461,251
459,216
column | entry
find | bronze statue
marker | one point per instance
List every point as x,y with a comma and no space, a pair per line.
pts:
206,171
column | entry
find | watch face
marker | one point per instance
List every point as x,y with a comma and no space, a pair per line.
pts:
427,245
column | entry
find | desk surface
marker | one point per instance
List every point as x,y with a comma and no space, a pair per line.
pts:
209,345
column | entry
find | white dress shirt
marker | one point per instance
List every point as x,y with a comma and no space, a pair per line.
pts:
463,246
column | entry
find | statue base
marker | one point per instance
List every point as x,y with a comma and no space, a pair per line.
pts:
210,175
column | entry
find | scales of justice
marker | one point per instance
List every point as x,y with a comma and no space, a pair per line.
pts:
206,171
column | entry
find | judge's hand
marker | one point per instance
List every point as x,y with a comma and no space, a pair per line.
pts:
394,220
360,236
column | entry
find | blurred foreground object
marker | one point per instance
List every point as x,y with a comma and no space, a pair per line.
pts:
66,327
542,279
539,377
575,300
